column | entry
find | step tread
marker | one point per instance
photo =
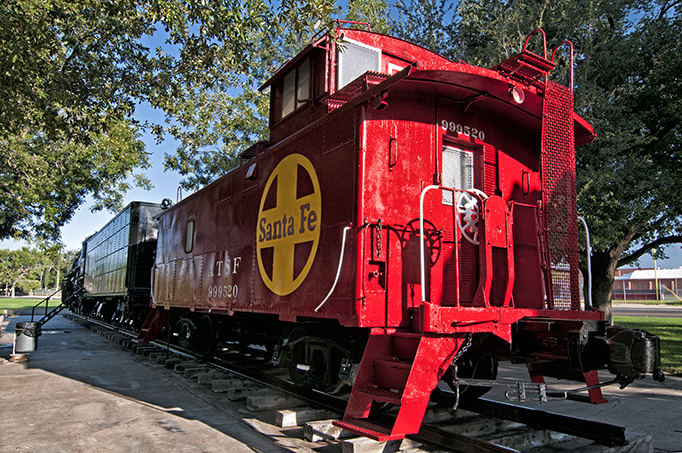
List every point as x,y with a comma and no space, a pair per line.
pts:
381,394
366,428
394,363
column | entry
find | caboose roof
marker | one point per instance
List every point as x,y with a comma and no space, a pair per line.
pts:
288,65
429,66
390,45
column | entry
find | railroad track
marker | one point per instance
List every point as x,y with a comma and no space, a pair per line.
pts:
484,426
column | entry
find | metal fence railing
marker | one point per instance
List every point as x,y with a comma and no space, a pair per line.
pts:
665,294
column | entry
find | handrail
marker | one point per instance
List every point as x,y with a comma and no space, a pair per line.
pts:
588,301
544,40
46,301
338,269
422,254
570,45
421,238
340,22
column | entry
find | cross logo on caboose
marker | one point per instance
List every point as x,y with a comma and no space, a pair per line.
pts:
288,230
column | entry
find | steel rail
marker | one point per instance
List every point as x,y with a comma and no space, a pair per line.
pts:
587,429
533,418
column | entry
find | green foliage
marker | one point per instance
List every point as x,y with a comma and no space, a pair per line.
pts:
627,85
374,12
28,269
214,122
69,85
43,181
428,23
72,71
631,174
217,117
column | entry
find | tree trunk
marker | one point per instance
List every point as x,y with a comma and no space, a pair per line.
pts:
604,266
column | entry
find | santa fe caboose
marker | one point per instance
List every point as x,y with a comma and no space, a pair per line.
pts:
410,220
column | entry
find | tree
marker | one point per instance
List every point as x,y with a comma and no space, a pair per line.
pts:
373,12
428,23
20,268
65,121
71,83
627,66
55,264
629,180
215,122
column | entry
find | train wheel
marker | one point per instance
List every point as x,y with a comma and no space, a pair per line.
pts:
183,333
196,334
204,338
314,362
294,355
472,365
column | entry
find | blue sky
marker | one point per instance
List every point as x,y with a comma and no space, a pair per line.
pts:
85,222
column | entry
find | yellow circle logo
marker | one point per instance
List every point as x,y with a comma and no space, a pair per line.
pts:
289,220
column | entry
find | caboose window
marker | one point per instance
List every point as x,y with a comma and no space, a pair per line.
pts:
296,87
458,170
189,237
303,86
288,93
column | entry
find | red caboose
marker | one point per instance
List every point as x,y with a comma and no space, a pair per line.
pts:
419,210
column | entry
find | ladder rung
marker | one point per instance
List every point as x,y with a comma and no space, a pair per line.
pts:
383,395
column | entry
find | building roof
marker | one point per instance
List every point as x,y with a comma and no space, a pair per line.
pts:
651,274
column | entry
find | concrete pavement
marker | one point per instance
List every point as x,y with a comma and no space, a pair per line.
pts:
78,393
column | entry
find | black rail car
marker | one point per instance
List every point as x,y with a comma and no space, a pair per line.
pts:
113,269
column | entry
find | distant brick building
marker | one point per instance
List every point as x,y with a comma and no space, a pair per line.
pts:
640,284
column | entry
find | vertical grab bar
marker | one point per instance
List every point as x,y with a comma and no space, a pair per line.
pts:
588,302
570,45
421,238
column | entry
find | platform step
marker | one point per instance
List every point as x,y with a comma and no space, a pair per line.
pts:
368,429
383,395
404,345
402,365
391,374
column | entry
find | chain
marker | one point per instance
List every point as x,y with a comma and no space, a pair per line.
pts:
379,229
463,349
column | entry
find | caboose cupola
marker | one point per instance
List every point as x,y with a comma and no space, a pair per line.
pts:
330,72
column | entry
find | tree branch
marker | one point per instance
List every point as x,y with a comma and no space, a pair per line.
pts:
676,239
666,8
653,146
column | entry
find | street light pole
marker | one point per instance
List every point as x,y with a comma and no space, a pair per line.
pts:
656,274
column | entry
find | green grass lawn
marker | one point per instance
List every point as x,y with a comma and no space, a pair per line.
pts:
669,330
649,302
7,303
